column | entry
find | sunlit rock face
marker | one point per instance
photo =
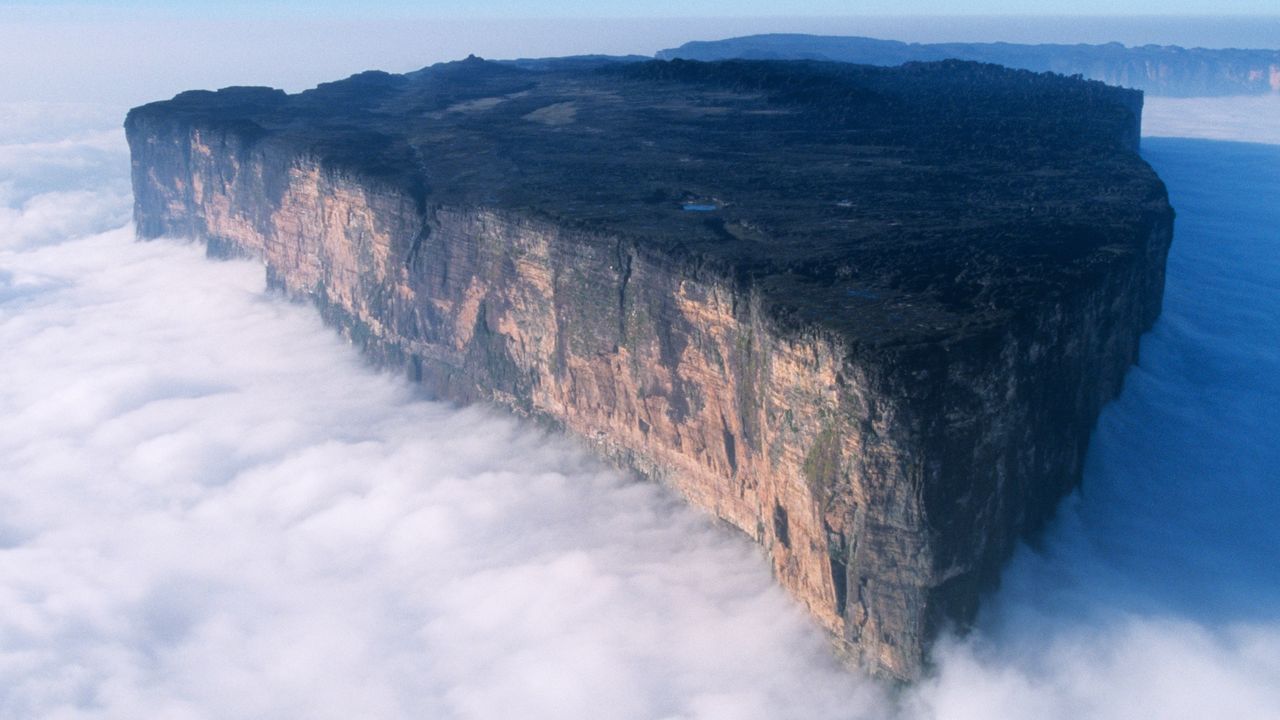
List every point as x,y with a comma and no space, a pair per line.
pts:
886,373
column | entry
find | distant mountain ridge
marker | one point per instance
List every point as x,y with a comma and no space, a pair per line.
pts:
1157,69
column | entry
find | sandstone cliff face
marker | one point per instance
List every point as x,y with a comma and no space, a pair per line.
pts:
886,486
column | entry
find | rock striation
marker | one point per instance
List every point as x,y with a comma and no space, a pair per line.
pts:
1157,69
868,316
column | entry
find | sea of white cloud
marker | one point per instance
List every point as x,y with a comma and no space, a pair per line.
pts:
210,507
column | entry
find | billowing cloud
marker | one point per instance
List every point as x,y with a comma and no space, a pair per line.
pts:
211,508
63,172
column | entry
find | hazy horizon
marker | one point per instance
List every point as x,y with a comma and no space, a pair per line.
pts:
140,57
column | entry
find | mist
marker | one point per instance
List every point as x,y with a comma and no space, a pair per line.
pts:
211,507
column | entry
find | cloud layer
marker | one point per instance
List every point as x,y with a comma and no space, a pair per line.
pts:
210,508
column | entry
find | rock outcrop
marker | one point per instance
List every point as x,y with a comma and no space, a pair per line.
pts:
867,316
1156,69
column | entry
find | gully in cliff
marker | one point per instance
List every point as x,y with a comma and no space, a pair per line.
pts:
867,315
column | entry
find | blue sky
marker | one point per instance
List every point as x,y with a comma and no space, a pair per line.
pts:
671,8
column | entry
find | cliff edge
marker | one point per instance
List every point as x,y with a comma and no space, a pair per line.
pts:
867,315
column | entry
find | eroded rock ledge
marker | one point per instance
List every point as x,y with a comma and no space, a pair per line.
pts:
867,315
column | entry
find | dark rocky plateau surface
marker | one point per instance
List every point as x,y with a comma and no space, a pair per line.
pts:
1157,69
867,315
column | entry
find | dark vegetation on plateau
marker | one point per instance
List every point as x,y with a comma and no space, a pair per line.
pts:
892,204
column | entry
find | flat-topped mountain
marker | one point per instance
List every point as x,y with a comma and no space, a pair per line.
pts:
1156,69
889,194
867,315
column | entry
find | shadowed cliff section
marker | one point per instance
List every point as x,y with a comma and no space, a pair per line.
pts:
867,315
1157,69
